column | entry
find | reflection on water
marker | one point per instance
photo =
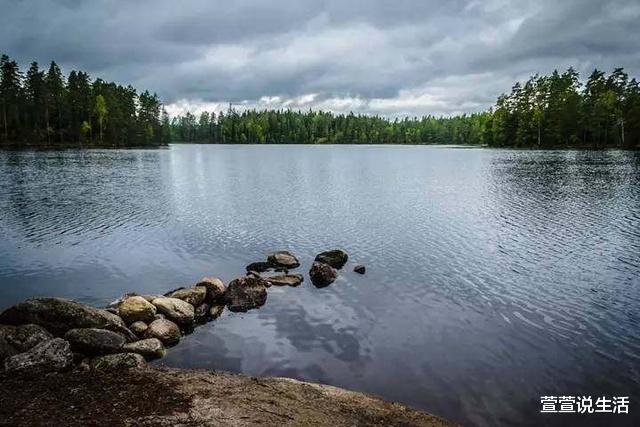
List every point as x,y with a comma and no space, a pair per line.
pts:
493,276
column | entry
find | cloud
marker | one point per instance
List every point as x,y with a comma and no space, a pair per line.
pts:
386,57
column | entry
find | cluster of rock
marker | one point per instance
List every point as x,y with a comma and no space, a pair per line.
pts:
55,334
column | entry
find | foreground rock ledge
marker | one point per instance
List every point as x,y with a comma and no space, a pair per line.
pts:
175,397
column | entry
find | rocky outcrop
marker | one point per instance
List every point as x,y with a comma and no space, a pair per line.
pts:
215,288
118,362
94,342
246,293
282,259
194,296
136,309
322,274
150,348
164,330
360,269
176,310
293,279
25,337
336,258
48,356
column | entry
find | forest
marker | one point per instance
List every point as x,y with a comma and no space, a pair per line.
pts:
45,108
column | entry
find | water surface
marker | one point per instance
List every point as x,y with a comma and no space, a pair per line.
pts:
493,276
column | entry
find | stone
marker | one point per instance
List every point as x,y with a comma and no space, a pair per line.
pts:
94,342
246,293
336,258
58,315
360,269
254,274
282,259
25,337
118,361
6,349
165,330
258,267
48,356
322,274
150,348
285,279
216,311
136,308
194,296
215,288
160,316
176,310
202,312
139,327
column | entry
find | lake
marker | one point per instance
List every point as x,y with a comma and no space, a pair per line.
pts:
493,277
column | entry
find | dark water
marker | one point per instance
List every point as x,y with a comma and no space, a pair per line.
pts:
494,277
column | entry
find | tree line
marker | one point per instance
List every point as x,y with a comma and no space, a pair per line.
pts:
45,108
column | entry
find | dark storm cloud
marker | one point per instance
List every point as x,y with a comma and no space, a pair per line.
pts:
390,57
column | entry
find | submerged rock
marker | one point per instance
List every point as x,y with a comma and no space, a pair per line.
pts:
322,274
336,258
245,293
194,296
285,279
359,269
94,342
48,356
139,327
25,337
176,310
282,259
258,267
165,330
118,361
136,308
58,315
150,348
215,288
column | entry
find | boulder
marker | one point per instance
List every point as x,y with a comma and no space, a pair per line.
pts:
258,267
282,259
94,342
118,361
322,274
360,269
139,328
25,337
150,348
215,288
245,293
336,258
194,296
176,310
202,312
165,330
58,315
48,356
136,308
285,279
253,274
6,349
216,311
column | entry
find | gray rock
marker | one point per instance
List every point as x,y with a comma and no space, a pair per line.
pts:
245,293
253,274
25,337
336,258
282,259
139,328
150,348
216,311
258,267
6,349
118,361
136,308
322,274
202,312
194,296
285,279
58,315
94,342
160,316
165,330
176,310
215,288
360,269
48,356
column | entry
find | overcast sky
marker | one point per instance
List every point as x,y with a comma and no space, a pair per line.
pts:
394,58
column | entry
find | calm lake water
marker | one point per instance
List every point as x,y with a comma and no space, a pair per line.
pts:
493,276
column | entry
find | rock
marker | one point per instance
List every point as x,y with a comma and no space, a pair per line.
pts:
245,293
160,316
253,274
285,279
150,348
6,349
118,361
165,330
215,288
58,315
216,311
139,328
136,308
94,342
282,259
258,267
336,258
25,337
202,312
194,296
176,310
359,269
48,356
322,274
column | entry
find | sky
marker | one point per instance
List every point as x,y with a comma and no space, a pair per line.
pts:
393,58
